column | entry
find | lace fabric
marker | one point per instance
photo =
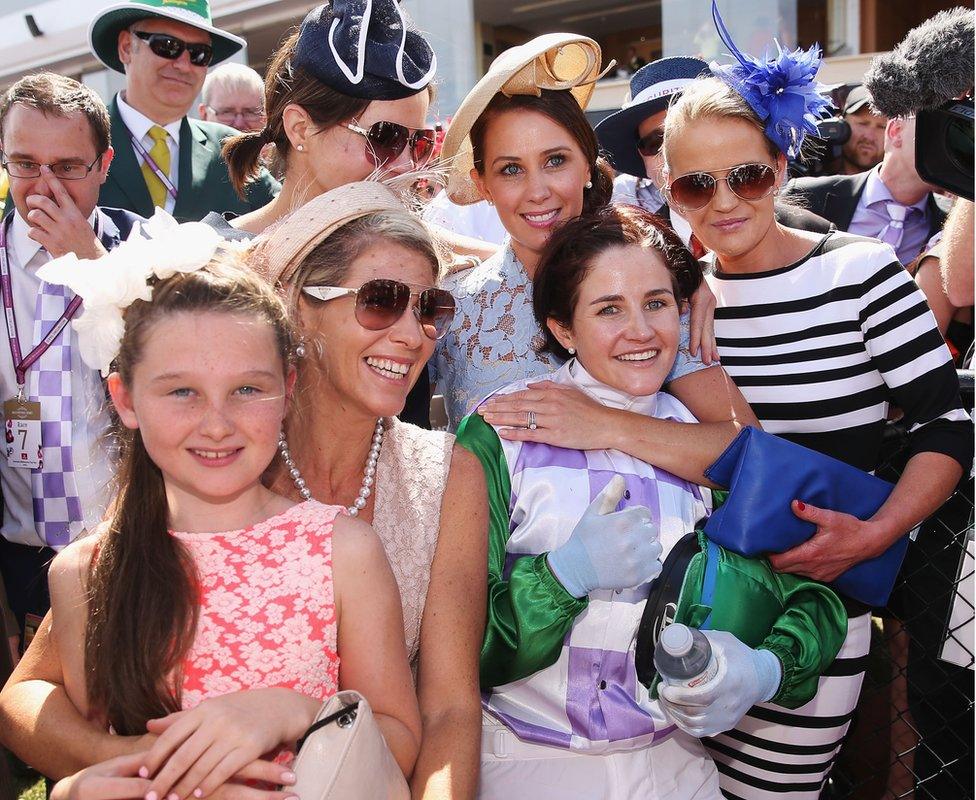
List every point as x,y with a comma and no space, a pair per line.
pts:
267,609
410,480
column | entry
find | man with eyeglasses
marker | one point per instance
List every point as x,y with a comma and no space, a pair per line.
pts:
634,136
163,159
233,94
56,148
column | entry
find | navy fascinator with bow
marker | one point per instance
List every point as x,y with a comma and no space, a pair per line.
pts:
781,89
364,48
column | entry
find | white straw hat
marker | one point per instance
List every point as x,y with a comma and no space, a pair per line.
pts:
558,61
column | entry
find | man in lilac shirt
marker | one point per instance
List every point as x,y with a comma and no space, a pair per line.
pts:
890,202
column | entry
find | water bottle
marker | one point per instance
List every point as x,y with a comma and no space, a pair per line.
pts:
683,657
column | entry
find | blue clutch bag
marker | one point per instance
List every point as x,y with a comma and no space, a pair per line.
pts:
765,473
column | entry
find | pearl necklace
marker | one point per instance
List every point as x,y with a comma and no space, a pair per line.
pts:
369,471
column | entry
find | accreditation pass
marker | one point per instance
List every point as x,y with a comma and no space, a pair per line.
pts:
22,433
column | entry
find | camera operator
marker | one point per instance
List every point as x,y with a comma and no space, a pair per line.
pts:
865,147
890,202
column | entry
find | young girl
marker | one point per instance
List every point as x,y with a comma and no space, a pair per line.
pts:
209,610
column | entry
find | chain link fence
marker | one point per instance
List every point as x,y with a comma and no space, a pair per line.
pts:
912,734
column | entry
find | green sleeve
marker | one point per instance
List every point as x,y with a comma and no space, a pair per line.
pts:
530,612
802,622
806,638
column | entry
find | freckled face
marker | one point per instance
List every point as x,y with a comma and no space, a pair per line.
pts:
625,324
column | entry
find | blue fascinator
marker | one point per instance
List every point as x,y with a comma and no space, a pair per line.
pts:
782,90
364,48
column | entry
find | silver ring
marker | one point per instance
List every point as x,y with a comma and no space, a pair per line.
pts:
532,423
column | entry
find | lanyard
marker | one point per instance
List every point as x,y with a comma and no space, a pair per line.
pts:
21,364
163,177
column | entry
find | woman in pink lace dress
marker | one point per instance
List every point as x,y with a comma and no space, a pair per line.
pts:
210,611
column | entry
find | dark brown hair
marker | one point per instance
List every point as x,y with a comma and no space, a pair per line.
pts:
285,85
57,96
570,251
561,107
142,593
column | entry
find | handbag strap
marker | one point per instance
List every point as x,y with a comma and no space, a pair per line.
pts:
708,582
318,724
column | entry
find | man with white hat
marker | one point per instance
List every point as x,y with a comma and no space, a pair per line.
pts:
162,158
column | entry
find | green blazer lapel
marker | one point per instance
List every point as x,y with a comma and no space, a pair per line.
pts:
197,152
125,178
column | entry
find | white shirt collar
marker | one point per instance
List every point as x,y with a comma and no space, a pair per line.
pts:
22,247
139,124
607,395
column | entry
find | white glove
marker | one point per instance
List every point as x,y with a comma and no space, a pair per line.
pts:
745,677
608,549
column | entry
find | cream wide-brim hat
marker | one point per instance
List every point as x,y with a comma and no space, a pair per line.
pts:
278,255
558,61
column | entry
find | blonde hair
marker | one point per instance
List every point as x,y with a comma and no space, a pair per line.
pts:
710,98
231,77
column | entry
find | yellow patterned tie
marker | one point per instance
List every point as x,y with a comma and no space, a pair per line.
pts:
160,154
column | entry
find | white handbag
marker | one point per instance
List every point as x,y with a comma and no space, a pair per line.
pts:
343,756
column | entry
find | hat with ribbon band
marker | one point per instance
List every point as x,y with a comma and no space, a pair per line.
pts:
556,61
103,34
364,48
651,89
279,255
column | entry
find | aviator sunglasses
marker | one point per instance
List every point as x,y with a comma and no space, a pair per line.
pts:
171,48
388,139
650,145
381,302
746,181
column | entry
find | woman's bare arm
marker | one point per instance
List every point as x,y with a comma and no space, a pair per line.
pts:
450,640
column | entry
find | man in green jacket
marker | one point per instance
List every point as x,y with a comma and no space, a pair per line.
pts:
162,158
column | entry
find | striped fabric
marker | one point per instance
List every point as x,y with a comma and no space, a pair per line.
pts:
820,348
590,700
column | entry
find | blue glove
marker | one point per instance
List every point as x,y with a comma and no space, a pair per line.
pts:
608,549
745,677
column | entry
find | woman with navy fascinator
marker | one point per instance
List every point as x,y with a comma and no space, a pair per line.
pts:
823,334
346,97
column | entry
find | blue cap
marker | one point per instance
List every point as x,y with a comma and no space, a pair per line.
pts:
651,89
364,49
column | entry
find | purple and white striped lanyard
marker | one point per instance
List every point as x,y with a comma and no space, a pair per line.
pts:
22,364
163,177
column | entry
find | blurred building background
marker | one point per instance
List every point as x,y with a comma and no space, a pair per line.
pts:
468,34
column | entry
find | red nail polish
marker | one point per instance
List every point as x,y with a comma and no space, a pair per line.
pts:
801,505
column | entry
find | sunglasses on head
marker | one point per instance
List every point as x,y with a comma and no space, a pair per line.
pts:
171,48
381,302
746,181
650,145
388,139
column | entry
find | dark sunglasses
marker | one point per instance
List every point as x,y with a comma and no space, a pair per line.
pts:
388,139
651,144
381,302
746,181
170,47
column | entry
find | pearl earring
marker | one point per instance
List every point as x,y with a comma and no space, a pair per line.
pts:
571,350
300,148
588,185
300,350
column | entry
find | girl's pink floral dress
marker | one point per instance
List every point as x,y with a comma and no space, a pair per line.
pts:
267,609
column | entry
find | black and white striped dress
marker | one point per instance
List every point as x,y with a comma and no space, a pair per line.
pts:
820,348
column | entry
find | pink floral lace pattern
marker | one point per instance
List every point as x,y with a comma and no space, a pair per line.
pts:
267,608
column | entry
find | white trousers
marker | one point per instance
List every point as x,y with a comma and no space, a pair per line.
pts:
676,769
